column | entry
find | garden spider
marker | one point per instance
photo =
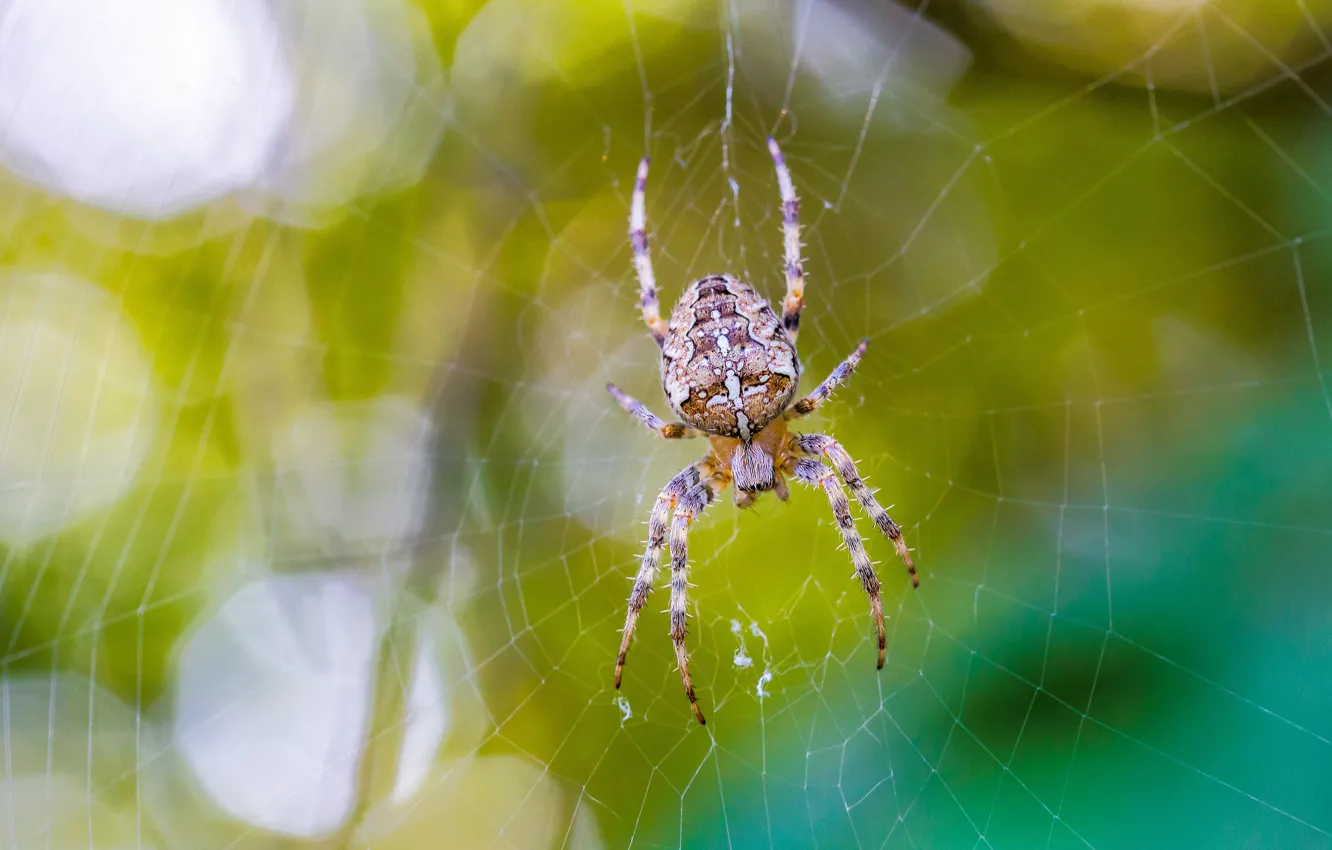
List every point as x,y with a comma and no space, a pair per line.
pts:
729,370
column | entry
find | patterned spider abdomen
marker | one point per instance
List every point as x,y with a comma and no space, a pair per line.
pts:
727,365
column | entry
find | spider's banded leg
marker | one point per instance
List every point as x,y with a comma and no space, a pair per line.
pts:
638,410
812,472
647,279
795,271
818,444
672,493
811,402
688,509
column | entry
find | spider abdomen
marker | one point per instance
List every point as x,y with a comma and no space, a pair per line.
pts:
728,367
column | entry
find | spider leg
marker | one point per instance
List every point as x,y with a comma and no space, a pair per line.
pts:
795,271
693,504
647,279
638,410
811,402
673,492
818,444
816,474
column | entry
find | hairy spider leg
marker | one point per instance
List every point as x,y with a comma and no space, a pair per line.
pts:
811,402
647,279
638,410
816,474
694,503
819,444
794,302
670,495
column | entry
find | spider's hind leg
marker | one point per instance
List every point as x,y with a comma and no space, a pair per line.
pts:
689,508
689,493
821,445
816,474
675,490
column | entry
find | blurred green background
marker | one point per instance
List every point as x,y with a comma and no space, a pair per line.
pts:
318,525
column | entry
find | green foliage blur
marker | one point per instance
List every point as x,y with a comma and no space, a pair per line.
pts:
1095,397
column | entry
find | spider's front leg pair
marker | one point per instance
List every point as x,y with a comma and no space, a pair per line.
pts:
793,267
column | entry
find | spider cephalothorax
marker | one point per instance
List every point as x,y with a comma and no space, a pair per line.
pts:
729,369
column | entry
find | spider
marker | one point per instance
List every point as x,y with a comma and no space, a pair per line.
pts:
729,369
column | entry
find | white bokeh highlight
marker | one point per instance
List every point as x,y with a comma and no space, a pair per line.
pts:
273,700
854,48
355,474
150,109
424,725
78,401
143,107
608,473
370,106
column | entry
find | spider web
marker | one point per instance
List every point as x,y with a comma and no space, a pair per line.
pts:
366,581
